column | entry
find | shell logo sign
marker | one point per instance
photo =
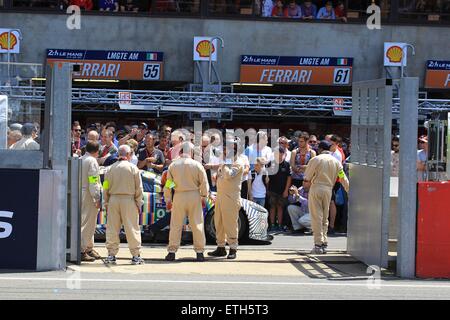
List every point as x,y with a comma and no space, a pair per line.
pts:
4,41
202,48
393,54
11,45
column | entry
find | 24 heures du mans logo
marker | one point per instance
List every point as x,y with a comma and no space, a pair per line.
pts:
6,228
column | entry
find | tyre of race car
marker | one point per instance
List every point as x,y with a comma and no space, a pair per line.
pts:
210,229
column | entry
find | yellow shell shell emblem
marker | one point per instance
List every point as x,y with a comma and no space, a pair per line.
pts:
4,41
395,54
203,48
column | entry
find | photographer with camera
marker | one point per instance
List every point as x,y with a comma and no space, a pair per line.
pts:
298,208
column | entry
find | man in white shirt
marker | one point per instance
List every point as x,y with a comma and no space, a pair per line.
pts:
27,142
259,181
259,149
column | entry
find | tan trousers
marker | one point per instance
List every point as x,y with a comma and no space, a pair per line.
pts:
319,199
188,204
226,217
88,221
122,210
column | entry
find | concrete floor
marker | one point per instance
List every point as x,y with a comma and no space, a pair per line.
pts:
282,270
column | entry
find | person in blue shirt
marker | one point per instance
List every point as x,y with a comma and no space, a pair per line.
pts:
309,10
327,12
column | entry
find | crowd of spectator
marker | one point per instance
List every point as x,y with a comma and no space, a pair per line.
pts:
306,11
281,191
297,9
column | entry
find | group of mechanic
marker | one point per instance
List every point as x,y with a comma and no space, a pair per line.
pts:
186,189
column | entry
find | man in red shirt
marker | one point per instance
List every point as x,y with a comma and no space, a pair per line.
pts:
340,12
83,4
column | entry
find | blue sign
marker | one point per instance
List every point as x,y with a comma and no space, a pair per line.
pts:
111,55
438,65
295,61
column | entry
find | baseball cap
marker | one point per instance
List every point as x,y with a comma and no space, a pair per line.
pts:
324,145
143,125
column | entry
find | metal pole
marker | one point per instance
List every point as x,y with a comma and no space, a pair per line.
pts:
9,47
405,54
210,53
407,197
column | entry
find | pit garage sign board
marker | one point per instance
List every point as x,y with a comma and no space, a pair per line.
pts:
112,65
438,74
322,71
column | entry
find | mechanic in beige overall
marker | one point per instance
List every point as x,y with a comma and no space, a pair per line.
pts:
322,172
90,194
188,179
228,201
124,199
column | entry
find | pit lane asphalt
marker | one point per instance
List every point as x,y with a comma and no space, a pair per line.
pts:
282,270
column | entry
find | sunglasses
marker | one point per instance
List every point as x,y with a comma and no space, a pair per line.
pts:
396,145
77,130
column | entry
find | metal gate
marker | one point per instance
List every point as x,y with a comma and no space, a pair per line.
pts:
370,180
368,224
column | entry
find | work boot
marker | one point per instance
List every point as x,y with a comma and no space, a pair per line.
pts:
219,252
86,257
94,254
137,260
200,257
232,254
170,256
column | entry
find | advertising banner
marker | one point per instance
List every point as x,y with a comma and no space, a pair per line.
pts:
112,65
323,71
19,206
437,75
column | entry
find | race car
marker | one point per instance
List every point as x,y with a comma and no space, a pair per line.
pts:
253,218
